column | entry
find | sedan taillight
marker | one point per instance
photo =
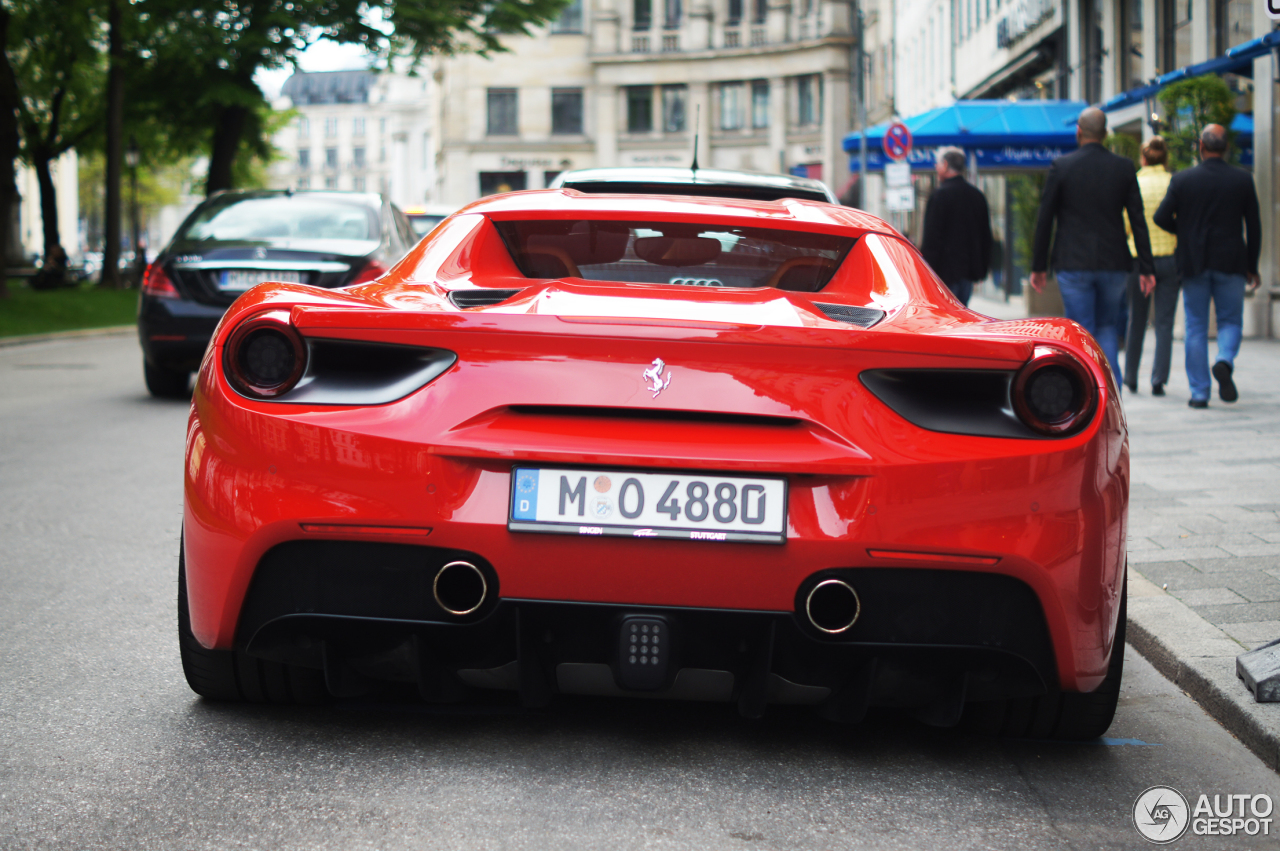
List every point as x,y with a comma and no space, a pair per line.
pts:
156,283
1054,393
265,355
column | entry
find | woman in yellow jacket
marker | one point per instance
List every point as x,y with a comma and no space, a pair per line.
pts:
1153,183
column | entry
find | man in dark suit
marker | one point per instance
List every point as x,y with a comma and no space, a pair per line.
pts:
1213,209
957,227
1088,192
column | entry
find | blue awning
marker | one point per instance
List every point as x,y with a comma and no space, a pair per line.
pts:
1000,134
1237,60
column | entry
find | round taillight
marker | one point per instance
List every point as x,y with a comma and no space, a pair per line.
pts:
265,355
1054,393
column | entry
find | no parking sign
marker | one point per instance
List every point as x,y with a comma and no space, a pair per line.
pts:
897,141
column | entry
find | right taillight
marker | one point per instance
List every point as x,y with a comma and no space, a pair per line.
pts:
156,283
265,355
1054,393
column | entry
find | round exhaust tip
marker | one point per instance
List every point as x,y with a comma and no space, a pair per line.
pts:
460,588
833,606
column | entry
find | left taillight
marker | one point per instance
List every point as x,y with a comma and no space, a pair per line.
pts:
1054,393
265,356
156,283
371,271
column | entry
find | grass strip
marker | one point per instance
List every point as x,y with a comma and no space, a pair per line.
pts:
29,311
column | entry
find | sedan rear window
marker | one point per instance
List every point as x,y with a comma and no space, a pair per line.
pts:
677,253
281,217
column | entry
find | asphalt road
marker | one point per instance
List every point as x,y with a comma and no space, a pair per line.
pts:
103,746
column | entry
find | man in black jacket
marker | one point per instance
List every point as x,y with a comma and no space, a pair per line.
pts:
1088,192
1206,207
957,227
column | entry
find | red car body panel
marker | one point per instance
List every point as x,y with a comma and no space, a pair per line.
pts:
867,488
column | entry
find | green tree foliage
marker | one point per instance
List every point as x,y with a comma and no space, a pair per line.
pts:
1189,105
203,54
1025,191
54,49
1126,146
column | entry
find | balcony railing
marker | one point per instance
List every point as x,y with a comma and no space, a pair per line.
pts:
640,44
732,38
670,43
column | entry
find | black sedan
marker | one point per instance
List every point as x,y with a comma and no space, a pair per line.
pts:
236,240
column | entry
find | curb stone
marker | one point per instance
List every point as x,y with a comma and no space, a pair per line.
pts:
79,333
1200,659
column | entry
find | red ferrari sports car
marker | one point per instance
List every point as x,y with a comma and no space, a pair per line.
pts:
701,449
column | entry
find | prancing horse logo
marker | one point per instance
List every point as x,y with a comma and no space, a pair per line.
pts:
654,374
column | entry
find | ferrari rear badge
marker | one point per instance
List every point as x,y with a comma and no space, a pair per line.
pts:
654,374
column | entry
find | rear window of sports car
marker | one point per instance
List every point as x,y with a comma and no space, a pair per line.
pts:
678,253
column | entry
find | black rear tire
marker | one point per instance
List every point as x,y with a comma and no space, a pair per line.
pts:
234,675
1068,716
165,383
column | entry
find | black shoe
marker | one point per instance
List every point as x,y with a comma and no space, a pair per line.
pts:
1133,387
1226,387
1198,403
1157,389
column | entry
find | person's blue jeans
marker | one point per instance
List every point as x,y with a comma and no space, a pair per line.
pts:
1093,298
962,290
1227,292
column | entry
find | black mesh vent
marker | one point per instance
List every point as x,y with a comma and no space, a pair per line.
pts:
864,316
479,298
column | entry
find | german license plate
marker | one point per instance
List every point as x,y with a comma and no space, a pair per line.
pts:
635,504
243,279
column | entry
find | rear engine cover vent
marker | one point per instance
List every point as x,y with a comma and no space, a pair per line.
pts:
463,299
864,316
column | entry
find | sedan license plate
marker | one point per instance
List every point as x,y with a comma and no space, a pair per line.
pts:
236,280
633,504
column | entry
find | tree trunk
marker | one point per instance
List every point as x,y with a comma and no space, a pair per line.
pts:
8,152
53,273
115,120
226,144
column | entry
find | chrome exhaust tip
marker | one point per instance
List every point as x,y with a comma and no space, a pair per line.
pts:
460,588
833,606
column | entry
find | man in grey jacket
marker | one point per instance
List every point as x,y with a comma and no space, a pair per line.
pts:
1213,208
1088,192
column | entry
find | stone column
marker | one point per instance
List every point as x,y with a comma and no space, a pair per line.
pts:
1075,54
778,122
1201,32
778,26
606,97
698,26
835,123
605,28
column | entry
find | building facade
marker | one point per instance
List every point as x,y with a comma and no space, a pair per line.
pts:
763,85
360,131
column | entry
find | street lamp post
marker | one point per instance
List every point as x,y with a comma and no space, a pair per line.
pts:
131,159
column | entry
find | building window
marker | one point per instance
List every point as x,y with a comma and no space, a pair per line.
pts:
641,14
809,100
331,183
357,157
735,13
304,183
357,183
382,153
639,109
330,157
382,126
731,106
304,127
1175,28
493,182
570,20
502,112
759,104
304,159
673,13
760,11
548,177
426,151
673,108
357,127
331,127
1234,25
566,111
